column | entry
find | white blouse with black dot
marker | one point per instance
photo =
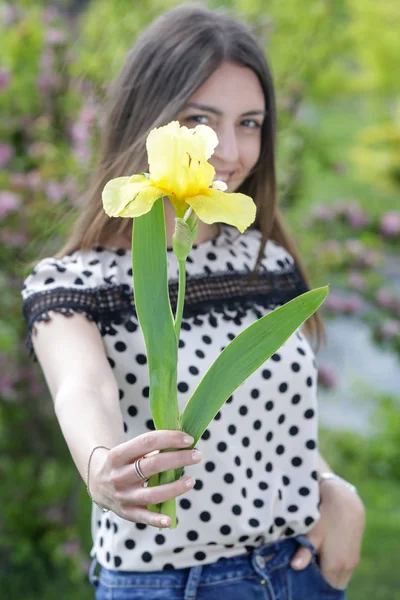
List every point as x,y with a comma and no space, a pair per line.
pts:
257,482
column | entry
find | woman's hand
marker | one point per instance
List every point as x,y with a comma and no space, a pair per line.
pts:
337,535
115,484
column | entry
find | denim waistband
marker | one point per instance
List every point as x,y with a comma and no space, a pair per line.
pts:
260,561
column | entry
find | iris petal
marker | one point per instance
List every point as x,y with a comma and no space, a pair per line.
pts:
179,168
130,196
178,157
214,206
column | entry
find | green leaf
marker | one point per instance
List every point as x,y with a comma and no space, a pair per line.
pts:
150,283
246,353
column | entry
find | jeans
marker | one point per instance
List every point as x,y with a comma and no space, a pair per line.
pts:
262,574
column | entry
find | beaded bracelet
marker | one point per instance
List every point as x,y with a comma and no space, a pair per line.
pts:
87,478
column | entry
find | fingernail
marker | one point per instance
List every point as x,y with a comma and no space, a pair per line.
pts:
188,440
165,522
189,482
298,563
197,456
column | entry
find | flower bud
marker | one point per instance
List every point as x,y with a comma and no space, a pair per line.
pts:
184,234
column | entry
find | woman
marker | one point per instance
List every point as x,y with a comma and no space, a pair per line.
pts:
249,520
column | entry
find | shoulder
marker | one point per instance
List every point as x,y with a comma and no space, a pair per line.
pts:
87,281
275,256
81,270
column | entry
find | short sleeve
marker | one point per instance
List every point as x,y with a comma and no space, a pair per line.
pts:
74,284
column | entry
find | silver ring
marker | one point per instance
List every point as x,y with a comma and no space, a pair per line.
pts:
138,470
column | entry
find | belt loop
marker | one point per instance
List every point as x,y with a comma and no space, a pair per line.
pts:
192,582
93,578
305,542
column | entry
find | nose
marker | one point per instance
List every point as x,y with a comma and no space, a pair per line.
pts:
228,148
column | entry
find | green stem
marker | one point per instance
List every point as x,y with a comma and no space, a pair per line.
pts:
181,298
168,507
150,282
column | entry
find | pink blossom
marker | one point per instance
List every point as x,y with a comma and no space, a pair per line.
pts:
9,14
37,150
384,298
356,217
47,60
55,191
47,82
355,247
50,13
369,258
333,303
18,181
389,330
352,305
82,153
357,281
332,246
6,384
9,202
17,239
34,180
80,132
322,212
88,114
6,154
327,376
390,224
4,79
55,36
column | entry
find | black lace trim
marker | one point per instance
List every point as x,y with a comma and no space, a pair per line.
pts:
114,304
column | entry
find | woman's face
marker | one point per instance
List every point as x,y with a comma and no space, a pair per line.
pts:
232,103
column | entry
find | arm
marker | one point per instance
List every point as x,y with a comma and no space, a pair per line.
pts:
338,534
86,400
85,394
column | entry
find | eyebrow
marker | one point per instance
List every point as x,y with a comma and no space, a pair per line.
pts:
217,112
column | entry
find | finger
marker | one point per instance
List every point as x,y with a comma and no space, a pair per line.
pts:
336,578
127,476
128,451
166,461
301,559
138,514
160,493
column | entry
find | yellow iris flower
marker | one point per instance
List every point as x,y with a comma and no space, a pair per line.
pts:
178,168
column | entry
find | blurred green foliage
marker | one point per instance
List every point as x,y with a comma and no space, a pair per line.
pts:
334,65
372,464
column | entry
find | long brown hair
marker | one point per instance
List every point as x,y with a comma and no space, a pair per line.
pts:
172,58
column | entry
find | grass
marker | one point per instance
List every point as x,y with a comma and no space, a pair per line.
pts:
376,577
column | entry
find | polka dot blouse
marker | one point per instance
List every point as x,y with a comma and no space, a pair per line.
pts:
257,481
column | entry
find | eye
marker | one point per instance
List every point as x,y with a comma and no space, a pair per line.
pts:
251,124
197,119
